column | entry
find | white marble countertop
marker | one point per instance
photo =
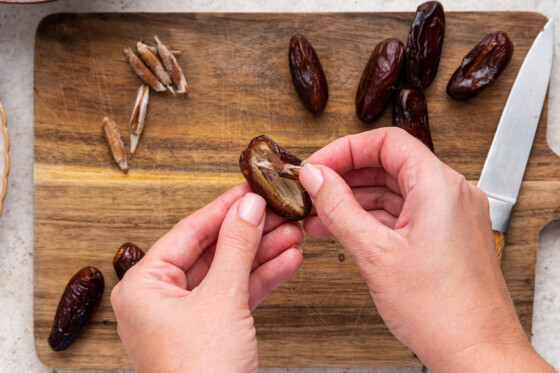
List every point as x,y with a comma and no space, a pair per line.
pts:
17,31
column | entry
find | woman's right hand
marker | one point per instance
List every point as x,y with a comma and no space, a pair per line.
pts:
421,236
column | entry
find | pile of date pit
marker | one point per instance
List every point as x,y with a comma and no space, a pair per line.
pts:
392,73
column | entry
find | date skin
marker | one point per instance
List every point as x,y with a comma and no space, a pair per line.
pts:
410,112
272,172
127,256
308,75
76,307
481,66
424,45
379,80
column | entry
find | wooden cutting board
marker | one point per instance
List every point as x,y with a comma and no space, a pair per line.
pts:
237,68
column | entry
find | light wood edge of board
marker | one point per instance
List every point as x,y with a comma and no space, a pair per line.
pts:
5,137
500,240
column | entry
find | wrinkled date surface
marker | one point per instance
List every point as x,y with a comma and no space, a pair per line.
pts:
410,113
272,172
307,75
379,80
481,66
127,256
76,307
425,41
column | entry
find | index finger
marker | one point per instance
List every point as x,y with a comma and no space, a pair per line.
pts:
390,148
184,243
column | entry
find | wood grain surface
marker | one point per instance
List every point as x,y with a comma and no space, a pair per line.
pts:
237,69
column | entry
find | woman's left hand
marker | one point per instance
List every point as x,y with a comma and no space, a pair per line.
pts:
186,306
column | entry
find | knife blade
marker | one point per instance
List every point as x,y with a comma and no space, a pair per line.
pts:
508,155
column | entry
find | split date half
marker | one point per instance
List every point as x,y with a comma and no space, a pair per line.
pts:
76,307
272,172
481,66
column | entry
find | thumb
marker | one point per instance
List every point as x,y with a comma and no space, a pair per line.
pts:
238,242
340,213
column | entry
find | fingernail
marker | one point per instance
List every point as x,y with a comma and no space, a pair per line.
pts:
314,180
251,208
298,247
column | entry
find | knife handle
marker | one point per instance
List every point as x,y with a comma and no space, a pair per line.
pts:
500,240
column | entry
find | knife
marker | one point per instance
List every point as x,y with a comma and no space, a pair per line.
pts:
508,155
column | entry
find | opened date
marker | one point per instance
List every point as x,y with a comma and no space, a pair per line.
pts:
76,307
481,66
272,172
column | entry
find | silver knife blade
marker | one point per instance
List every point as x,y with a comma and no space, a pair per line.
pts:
508,155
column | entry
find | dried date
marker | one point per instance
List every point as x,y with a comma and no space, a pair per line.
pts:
410,112
424,45
76,307
379,80
272,172
127,256
308,75
481,66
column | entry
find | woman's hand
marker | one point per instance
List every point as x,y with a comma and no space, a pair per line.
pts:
186,306
421,236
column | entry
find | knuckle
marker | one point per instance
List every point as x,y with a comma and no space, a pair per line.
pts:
116,296
262,287
193,230
294,230
334,210
482,197
237,239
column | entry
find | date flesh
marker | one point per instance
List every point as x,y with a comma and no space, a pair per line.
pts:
308,75
272,172
424,45
379,80
127,256
481,66
410,113
77,305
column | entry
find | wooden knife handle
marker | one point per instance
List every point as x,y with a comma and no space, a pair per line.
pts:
500,240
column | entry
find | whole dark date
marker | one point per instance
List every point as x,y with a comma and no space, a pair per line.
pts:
410,112
272,172
76,307
308,75
127,256
379,79
481,66
425,41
